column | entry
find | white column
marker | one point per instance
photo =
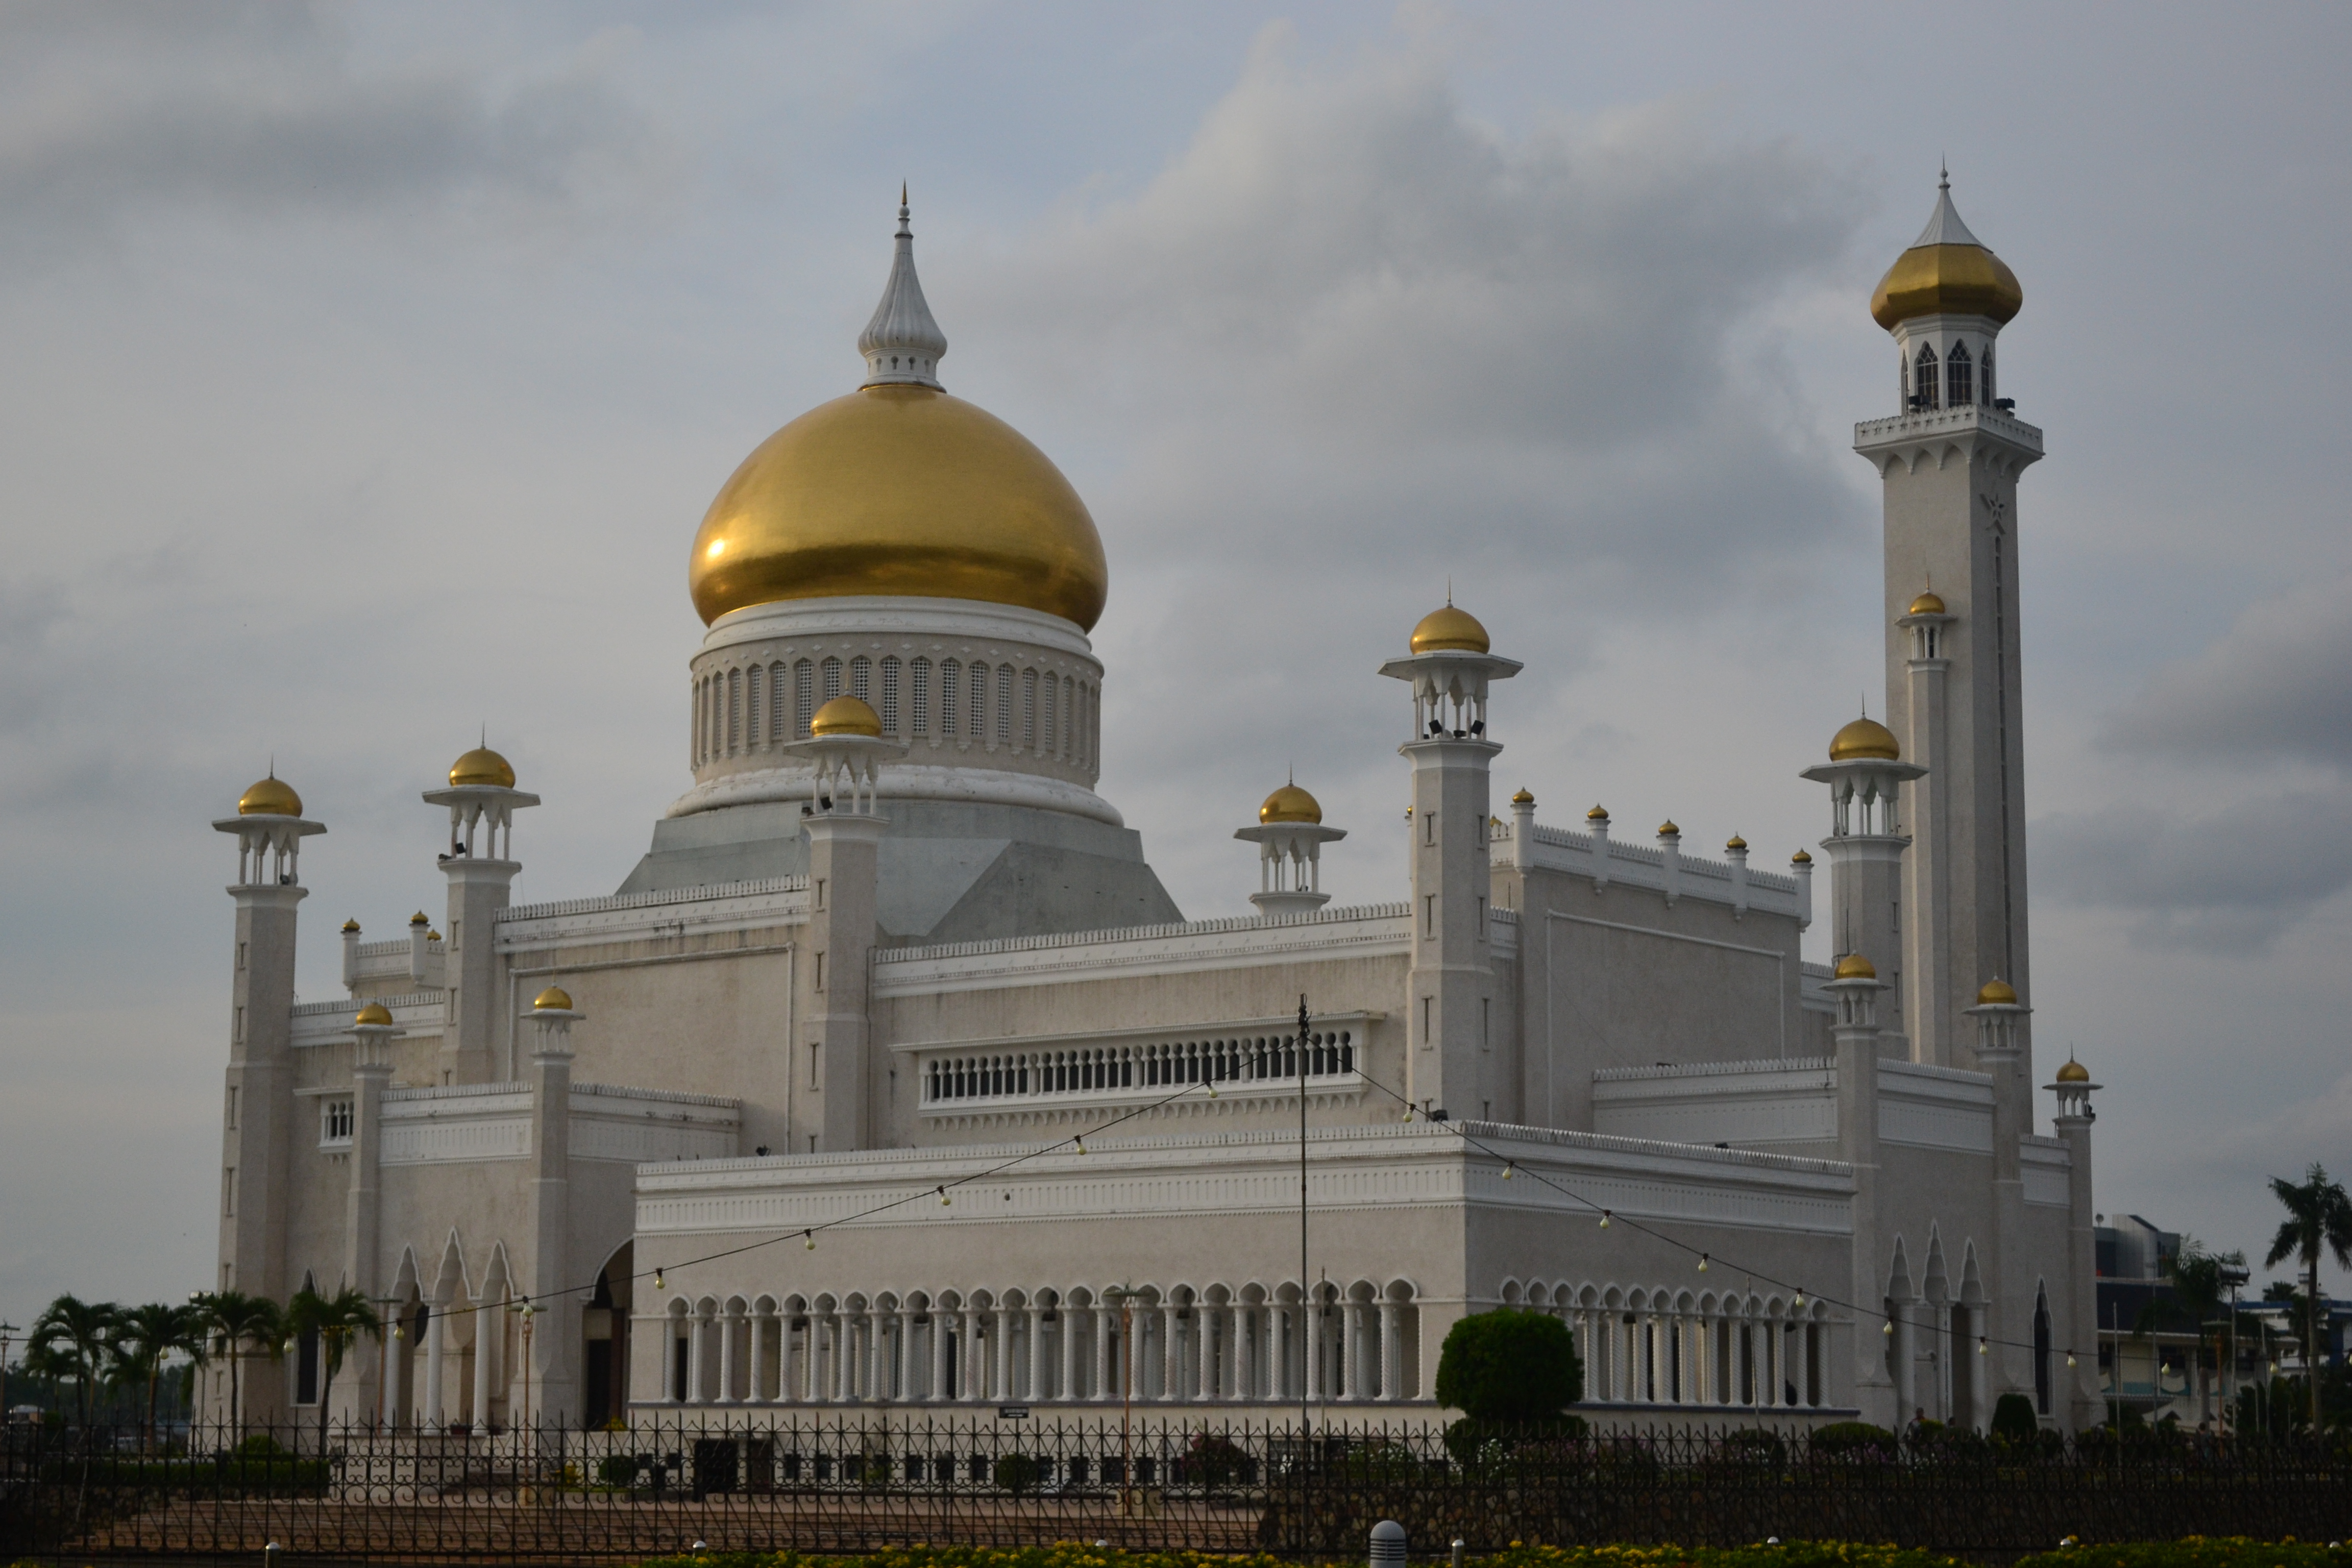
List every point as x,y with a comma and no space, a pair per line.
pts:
487,1320
1391,1358
971,1372
725,1325
1245,1350
1036,1389
433,1338
812,1360
907,1353
1205,1347
878,1354
1278,1354
939,1390
1172,1346
695,1349
1311,1317
1003,1329
844,1356
755,1387
1069,1333
1106,1375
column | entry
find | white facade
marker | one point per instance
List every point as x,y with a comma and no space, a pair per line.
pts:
893,1078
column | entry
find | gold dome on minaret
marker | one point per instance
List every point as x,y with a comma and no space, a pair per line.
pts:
1946,271
271,796
482,766
1864,737
1450,630
1290,804
899,490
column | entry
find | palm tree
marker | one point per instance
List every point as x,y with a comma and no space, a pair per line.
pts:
2196,1289
237,1323
2319,1217
337,1319
145,1337
71,1337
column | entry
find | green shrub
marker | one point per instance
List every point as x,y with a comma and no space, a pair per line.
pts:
2013,1419
1509,1366
617,1470
1854,1442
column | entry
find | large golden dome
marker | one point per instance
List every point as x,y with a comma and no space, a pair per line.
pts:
1447,630
899,490
1290,804
1947,270
482,766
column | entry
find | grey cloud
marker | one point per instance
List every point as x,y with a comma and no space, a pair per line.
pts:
2277,686
2229,882
108,110
1347,313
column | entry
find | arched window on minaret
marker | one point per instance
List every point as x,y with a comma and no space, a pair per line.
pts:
1960,378
1922,378
734,712
1984,375
861,678
776,701
803,699
890,705
951,688
918,696
831,670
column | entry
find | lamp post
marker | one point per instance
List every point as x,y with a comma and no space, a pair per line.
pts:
530,1445
2233,1275
6,1329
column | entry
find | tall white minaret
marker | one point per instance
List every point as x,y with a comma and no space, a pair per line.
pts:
1950,459
1452,996
481,866
258,1131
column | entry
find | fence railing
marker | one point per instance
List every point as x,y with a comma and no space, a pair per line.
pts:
840,1483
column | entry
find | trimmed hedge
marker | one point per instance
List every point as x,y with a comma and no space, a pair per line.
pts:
2197,1551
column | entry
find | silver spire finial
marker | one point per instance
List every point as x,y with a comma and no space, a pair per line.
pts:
902,344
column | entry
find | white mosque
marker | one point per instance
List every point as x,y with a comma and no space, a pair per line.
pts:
892,1078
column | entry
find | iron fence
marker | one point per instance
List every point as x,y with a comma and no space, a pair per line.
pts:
853,1482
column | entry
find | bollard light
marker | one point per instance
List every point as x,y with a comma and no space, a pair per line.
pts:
1388,1545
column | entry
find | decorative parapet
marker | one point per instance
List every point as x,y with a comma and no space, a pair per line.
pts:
1635,865
466,1123
676,911
1133,950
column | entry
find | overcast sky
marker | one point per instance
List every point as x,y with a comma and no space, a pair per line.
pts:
365,372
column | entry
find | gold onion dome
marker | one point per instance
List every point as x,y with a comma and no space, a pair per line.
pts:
1997,994
2073,1072
1800,859
418,918
351,925
272,796
1946,271
1290,804
1598,813
1449,630
846,715
482,766
1735,842
899,490
1853,966
1668,829
1521,797
1928,604
1865,738
374,1013
555,998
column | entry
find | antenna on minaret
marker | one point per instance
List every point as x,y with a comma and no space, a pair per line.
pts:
1943,172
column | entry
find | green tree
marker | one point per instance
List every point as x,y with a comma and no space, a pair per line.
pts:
1510,1367
337,1319
2319,1219
234,1324
69,1340
2013,1420
2197,1290
144,1338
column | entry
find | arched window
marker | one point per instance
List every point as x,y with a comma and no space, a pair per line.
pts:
1045,719
1984,375
306,1353
1029,711
918,696
694,744
803,699
2042,1350
1960,378
889,704
951,682
753,680
831,670
1922,378
734,712
1069,717
1004,704
776,703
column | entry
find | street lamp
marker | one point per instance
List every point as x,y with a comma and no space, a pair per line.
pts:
2233,1275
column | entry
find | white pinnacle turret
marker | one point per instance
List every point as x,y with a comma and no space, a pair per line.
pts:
902,344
